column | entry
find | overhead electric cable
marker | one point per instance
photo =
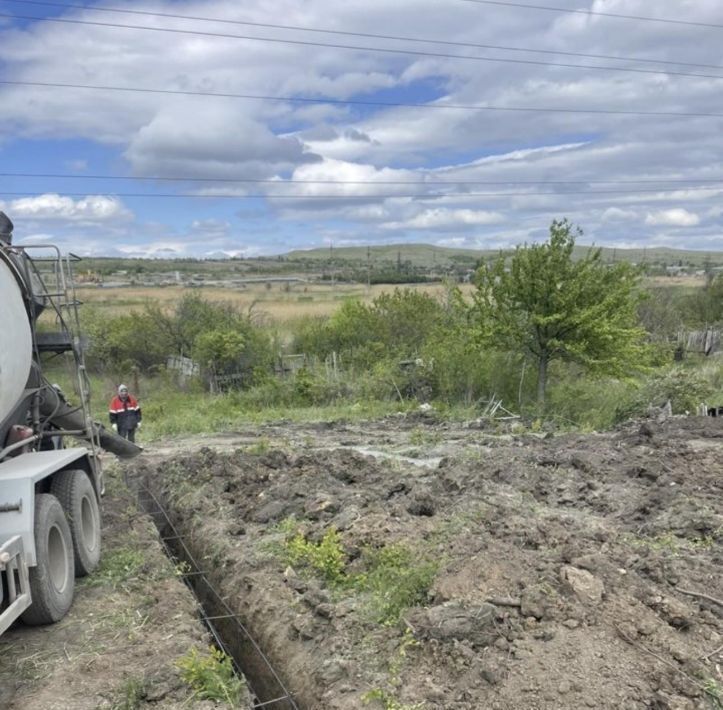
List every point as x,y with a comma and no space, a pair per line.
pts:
295,181
370,35
382,196
596,13
385,50
353,102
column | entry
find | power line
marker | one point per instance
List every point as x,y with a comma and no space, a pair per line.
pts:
351,102
616,15
278,182
371,196
370,35
404,52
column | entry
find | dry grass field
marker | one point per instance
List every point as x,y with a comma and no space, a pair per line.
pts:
284,303
279,303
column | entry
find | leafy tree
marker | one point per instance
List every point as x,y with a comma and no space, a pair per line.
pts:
552,307
392,327
215,334
706,305
661,312
123,341
220,349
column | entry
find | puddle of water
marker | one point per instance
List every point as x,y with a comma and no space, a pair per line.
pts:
430,462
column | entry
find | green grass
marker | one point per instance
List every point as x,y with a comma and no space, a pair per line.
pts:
714,692
387,700
211,676
130,695
389,580
675,545
575,402
117,567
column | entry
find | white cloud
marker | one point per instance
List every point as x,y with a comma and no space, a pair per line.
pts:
440,218
540,162
676,217
225,142
616,214
94,208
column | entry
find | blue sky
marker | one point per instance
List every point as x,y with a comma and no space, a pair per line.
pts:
474,178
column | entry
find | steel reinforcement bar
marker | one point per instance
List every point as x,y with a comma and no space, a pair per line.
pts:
265,682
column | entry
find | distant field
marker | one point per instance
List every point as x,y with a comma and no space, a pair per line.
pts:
282,303
678,281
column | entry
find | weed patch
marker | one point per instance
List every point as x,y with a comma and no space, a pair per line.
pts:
386,698
325,558
211,676
117,567
395,579
392,578
669,542
714,692
130,695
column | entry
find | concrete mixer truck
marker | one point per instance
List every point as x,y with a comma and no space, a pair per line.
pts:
50,470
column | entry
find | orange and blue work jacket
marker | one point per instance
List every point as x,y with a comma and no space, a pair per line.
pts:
125,413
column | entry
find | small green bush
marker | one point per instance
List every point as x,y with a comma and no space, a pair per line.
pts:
392,578
395,579
212,676
130,695
325,558
392,327
685,387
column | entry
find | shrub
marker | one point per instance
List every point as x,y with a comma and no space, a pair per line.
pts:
212,677
392,327
588,402
685,388
326,557
396,579
222,339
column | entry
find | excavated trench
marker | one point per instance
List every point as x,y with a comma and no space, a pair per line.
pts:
591,556
226,626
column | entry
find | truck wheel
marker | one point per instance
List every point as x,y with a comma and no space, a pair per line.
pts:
76,494
51,580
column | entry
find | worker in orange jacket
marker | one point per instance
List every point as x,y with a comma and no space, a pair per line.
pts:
125,414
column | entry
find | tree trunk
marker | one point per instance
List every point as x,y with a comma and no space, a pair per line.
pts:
541,381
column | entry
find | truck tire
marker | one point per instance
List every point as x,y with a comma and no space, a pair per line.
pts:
52,582
77,496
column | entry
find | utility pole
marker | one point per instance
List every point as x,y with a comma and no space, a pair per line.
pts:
369,269
331,261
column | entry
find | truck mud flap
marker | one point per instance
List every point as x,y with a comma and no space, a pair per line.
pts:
14,571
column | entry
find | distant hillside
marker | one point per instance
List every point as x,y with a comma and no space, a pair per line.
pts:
429,256
389,264
426,255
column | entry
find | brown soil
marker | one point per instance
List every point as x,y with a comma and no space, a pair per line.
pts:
574,570
117,648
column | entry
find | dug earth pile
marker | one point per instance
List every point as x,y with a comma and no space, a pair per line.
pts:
456,567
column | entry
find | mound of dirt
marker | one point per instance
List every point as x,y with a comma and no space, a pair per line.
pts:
551,572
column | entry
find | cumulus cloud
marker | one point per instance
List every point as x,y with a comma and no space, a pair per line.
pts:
94,208
447,219
210,226
176,142
675,217
494,177
616,214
